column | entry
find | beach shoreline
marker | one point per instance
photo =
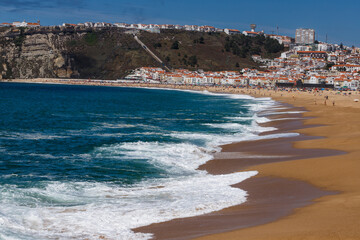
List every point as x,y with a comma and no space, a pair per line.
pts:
332,216
268,196
336,123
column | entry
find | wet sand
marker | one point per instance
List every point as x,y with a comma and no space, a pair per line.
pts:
269,198
268,201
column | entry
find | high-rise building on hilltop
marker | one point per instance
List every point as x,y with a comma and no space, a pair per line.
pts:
305,36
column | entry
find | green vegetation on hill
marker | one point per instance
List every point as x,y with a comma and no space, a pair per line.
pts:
209,51
244,46
112,53
107,54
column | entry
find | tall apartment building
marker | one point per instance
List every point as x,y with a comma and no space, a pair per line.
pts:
305,36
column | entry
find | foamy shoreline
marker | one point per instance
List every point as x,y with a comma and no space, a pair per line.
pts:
230,179
338,124
326,113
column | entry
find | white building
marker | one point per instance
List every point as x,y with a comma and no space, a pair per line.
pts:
325,47
103,24
252,33
315,80
122,25
287,54
5,24
89,24
19,24
231,31
305,36
282,39
25,24
207,29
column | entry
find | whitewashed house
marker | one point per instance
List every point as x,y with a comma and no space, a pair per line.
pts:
122,25
231,31
315,80
19,24
89,24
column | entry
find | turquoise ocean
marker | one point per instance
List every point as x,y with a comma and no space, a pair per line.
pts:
80,162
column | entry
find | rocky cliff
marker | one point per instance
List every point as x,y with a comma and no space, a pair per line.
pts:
68,53
112,53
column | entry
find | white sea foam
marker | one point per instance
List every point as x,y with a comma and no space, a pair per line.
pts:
43,155
29,136
175,156
260,105
108,134
117,125
253,128
282,119
235,126
2,149
214,140
280,113
252,118
88,210
109,211
278,108
205,92
232,96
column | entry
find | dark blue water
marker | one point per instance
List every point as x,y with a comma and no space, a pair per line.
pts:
60,144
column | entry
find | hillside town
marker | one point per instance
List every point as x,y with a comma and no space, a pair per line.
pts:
307,62
336,67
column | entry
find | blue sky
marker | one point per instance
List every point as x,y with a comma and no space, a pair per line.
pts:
338,19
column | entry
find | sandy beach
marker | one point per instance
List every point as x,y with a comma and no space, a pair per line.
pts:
270,197
333,216
308,186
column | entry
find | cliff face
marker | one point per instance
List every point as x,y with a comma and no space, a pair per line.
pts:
35,55
66,53
111,53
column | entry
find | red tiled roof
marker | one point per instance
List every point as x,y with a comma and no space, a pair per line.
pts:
311,52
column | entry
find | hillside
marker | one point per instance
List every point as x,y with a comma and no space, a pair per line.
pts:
209,51
111,53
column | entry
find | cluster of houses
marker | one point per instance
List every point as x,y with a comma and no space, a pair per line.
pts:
21,24
156,28
146,27
316,63
339,69
184,76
